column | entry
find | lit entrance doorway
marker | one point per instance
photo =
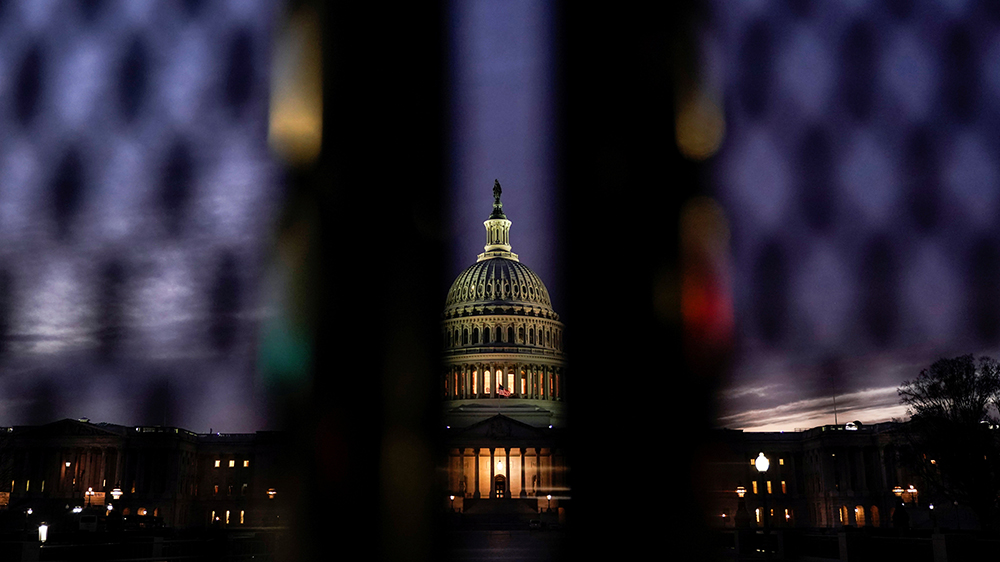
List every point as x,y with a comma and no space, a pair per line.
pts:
500,486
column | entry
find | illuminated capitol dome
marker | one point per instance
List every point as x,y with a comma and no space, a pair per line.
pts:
503,385
502,339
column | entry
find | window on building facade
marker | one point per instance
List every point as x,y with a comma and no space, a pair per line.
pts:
232,463
781,462
216,490
227,517
241,516
768,486
141,511
859,515
244,490
246,464
755,486
218,463
486,382
784,488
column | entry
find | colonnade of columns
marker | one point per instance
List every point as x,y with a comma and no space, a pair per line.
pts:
535,480
520,380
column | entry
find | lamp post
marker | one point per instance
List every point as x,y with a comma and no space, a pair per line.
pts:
548,505
452,498
742,519
762,464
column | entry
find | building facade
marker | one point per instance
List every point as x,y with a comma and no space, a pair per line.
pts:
503,383
848,475
168,475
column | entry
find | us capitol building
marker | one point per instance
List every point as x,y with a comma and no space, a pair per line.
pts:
503,384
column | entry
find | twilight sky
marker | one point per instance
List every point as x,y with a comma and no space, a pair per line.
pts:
502,127
858,176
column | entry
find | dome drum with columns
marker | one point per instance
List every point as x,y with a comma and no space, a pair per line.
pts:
503,342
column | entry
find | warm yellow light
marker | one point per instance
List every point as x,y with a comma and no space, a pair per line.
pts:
499,466
232,464
295,130
699,126
741,491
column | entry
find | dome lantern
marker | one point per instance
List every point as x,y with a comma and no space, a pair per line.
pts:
497,230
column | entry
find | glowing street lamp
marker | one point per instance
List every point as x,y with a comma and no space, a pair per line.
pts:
89,493
762,464
741,491
452,498
117,493
548,507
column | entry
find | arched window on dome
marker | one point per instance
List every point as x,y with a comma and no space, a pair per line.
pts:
531,336
486,334
520,334
465,336
548,338
510,334
475,336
